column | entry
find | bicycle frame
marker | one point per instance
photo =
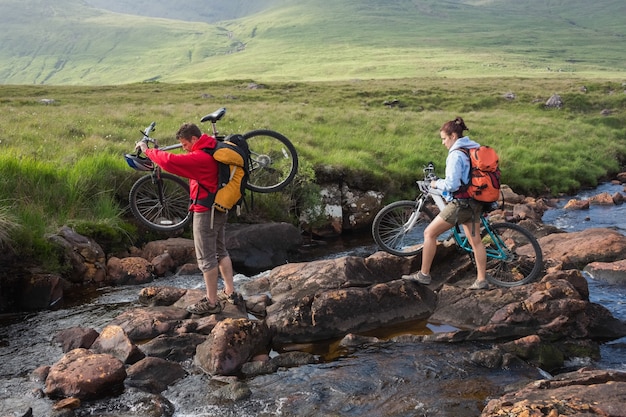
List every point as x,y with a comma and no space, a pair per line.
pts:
499,252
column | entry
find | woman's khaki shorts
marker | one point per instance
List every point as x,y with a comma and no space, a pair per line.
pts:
462,211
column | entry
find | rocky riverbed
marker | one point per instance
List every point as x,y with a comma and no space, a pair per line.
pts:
348,334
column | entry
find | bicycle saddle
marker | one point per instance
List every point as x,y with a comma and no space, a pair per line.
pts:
215,116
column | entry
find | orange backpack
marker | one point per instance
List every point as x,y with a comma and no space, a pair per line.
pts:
484,184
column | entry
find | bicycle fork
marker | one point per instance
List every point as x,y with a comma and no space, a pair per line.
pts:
415,215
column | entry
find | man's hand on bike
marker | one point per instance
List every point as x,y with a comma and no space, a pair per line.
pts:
142,145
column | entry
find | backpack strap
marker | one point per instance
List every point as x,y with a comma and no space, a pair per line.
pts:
210,198
461,193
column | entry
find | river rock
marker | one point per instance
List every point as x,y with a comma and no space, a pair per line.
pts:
132,270
509,196
575,204
114,341
603,199
85,256
177,347
163,264
252,247
610,272
582,393
232,343
160,296
546,320
259,247
76,337
154,374
576,250
149,322
85,375
342,207
43,291
180,250
327,299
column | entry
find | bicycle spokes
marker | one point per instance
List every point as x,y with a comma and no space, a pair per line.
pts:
273,161
513,255
399,228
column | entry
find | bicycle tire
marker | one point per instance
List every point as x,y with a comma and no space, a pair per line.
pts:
522,262
273,161
390,232
167,214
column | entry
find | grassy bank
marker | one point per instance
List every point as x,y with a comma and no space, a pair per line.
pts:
61,162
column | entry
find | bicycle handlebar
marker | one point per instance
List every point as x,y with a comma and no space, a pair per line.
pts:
147,130
424,186
212,117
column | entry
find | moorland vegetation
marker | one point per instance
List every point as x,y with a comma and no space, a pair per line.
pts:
358,86
62,147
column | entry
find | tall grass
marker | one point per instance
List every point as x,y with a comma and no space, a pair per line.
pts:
63,163
8,224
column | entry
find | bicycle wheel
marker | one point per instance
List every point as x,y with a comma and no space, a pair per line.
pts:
399,229
162,206
513,255
273,161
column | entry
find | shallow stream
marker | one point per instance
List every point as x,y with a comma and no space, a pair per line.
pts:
383,379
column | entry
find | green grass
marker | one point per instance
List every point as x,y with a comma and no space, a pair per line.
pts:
325,68
63,163
69,43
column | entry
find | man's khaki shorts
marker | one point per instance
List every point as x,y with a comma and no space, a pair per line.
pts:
209,242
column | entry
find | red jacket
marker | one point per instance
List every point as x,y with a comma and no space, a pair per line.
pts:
197,165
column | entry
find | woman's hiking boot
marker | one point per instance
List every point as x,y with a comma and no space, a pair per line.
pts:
419,278
479,285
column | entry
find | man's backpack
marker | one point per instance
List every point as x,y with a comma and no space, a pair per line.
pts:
484,184
232,155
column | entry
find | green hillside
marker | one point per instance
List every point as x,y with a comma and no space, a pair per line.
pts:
81,43
209,11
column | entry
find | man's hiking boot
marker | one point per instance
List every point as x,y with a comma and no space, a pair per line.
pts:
419,278
203,307
479,285
233,298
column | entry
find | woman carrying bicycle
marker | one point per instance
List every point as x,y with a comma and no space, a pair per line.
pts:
460,208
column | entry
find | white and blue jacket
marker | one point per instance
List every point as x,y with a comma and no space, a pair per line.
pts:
457,168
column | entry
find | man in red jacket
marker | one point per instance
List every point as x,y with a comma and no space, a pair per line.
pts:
208,223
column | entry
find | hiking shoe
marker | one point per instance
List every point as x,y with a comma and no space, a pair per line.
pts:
203,307
233,298
479,285
419,278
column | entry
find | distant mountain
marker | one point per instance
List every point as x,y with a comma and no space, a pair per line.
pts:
90,42
209,11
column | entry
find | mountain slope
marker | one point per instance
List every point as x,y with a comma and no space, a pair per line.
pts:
71,42
208,11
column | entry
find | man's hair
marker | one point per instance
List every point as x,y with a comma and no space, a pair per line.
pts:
187,131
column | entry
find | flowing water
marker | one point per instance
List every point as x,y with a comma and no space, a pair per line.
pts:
610,296
399,378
